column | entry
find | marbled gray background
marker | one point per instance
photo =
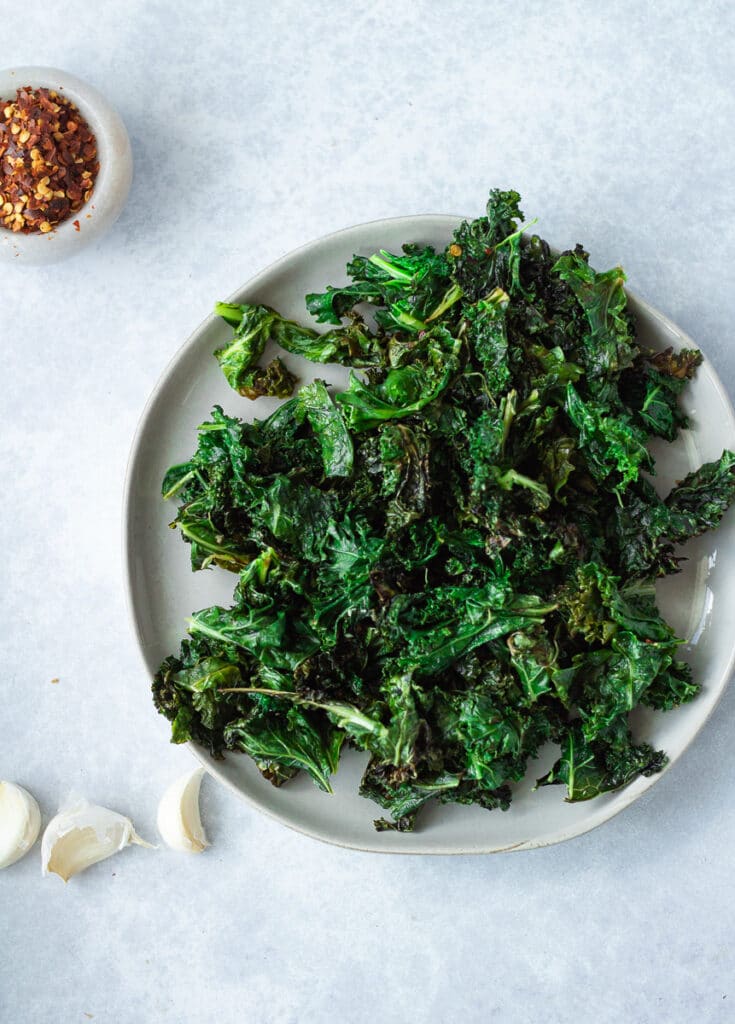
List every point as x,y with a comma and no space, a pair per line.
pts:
255,127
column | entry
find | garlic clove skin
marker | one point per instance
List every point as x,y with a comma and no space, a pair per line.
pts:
179,821
83,834
20,823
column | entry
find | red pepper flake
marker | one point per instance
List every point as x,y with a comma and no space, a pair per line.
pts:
76,225
48,161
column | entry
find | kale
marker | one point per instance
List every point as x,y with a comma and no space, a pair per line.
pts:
451,563
413,289
606,764
255,326
607,347
275,380
645,527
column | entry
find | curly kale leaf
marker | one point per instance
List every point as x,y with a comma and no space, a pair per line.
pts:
435,628
489,742
653,386
700,501
558,464
611,682
257,325
410,290
654,399
389,727
404,799
271,638
343,592
187,691
596,608
608,347
335,303
288,744
296,514
646,527
485,253
329,426
672,687
681,365
488,338
212,487
252,331
533,656
274,380
405,455
589,769
610,444
404,390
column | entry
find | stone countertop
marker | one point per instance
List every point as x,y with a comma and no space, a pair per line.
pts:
256,127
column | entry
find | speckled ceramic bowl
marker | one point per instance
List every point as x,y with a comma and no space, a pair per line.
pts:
699,602
113,181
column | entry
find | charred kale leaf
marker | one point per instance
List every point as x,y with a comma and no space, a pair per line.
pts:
452,563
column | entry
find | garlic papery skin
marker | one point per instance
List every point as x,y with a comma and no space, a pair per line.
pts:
179,821
83,834
20,823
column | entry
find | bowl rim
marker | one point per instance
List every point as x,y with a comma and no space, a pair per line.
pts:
628,795
106,124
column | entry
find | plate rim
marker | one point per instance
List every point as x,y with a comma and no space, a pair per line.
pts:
606,813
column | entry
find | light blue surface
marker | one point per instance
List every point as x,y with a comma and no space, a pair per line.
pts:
252,133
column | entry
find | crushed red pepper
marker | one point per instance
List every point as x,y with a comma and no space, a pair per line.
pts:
48,160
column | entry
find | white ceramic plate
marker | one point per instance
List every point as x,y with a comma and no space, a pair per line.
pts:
699,602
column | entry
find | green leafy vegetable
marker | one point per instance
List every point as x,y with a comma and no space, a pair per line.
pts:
451,563
275,380
329,426
414,288
255,326
609,444
287,745
608,348
606,764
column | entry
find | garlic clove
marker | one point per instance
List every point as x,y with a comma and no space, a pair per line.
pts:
20,823
179,821
83,834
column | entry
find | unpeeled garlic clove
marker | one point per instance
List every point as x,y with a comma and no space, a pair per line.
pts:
20,823
179,821
82,834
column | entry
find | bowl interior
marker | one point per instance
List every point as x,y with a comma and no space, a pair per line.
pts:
699,602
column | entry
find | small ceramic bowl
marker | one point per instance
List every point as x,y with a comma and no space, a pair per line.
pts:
113,181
